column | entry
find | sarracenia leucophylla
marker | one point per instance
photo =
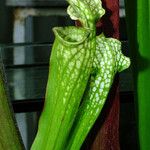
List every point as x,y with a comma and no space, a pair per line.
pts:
78,57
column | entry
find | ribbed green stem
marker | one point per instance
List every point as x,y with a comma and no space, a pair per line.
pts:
74,103
138,25
71,63
9,135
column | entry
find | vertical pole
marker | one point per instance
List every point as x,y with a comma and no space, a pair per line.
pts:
23,55
18,75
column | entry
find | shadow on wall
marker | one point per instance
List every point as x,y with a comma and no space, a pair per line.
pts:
6,23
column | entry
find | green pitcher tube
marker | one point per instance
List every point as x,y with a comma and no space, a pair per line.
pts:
108,61
138,25
70,68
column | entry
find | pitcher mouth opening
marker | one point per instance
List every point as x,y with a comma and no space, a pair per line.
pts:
71,35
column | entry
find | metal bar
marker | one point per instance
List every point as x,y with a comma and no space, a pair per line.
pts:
26,66
12,45
36,3
28,105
